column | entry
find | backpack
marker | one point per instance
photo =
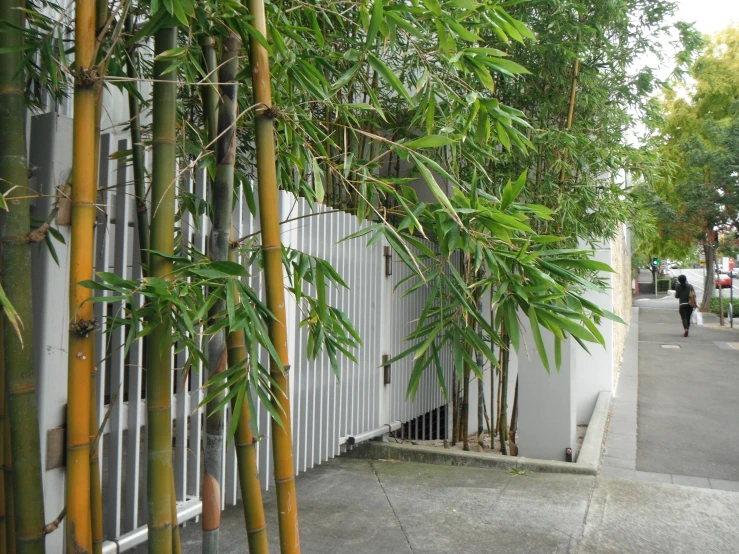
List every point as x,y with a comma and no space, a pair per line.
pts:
691,298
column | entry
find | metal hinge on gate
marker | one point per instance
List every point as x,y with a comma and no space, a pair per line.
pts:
386,368
388,253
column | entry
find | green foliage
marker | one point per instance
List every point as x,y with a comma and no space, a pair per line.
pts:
445,123
663,285
524,274
182,301
698,143
716,308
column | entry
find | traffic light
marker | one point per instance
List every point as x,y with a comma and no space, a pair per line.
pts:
655,262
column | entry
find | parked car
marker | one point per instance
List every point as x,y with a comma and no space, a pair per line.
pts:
725,281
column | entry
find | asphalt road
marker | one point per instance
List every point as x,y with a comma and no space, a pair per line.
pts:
695,278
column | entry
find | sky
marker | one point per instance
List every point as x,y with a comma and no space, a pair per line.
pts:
709,16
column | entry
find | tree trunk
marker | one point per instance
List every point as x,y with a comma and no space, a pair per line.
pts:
287,505
708,284
246,453
721,321
158,351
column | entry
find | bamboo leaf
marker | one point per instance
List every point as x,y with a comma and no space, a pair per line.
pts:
430,141
374,22
389,77
534,321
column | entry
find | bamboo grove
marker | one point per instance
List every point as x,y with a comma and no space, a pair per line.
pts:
494,109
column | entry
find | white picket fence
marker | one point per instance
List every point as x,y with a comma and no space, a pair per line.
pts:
325,410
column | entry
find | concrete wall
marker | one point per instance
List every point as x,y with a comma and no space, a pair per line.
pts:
593,370
622,293
547,401
51,135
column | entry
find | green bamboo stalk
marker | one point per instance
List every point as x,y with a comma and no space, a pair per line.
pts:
209,94
503,418
3,510
8,480
246,451
137,150
222,201
15,225
287,506
158,355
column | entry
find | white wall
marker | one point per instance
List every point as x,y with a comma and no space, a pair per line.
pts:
51,136
547,407
593,371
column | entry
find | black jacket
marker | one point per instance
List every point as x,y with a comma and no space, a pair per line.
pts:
682,292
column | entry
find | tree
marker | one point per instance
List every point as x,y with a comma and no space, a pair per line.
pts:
698,142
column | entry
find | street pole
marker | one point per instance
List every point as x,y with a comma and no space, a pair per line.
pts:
731,302
656,270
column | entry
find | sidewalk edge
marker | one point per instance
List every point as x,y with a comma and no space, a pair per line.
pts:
587,463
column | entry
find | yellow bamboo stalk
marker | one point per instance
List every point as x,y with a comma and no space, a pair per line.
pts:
81,339
246,451
571,111
287,505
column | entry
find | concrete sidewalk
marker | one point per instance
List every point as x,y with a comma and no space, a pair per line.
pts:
684,401
675,414
359,506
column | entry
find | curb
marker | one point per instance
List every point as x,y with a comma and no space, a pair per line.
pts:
587,462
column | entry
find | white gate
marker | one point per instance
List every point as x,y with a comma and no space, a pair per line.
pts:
324,410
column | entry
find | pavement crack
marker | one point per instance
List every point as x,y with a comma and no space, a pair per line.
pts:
379,482
585,516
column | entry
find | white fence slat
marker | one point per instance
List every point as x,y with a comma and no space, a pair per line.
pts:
117,355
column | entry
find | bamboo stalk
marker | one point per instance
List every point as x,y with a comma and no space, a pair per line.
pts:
514,416
3,510
246,452
8,480
209,94
287,505
81,338
222,195
15,258
455,395
137,150
504,358
96,498
158,355
571,111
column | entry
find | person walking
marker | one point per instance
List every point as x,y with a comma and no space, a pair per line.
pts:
685,295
